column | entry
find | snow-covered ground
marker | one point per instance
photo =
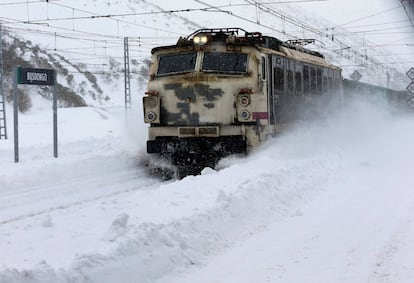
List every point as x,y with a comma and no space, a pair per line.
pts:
357,228
327,201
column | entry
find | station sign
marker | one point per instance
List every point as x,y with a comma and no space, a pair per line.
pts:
40,77
31,76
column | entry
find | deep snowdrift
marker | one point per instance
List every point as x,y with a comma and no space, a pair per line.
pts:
359,226
93,214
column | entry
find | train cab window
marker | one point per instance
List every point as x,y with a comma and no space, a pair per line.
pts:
279,79
305,79
298,80
263,62
313,79
177,63
230,63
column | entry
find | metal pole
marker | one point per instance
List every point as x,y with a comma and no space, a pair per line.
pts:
55,135
127,74
16,116
3,120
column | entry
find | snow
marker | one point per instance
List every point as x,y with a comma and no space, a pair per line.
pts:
359,229
325,201
328,200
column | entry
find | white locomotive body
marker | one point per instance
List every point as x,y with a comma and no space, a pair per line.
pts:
217,93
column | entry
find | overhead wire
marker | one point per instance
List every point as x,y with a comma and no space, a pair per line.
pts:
369,16
61,28
239,17
77,51
117,41
27,2
366,44
118,15
275,2
120,20
94,15
382,29
89,34
378,24
210,8
284,17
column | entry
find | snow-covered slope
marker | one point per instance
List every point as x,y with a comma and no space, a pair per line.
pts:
84,40
87,53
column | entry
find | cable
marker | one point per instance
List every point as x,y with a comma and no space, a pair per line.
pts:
95,15
282,16
383,29
123,21
66,29
377,45
210,8
379,24
26,2
289,20
115,15
271,3
384,33
239,17
340,43
394,54
369,16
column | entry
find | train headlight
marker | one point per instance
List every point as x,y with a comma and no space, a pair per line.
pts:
151,116
200,39
244,100
151,109
244,106
244,115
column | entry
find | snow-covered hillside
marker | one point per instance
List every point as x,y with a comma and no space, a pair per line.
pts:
84,41
86,53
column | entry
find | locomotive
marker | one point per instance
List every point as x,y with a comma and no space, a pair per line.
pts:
219,92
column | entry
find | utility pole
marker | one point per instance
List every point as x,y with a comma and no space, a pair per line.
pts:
127,74
3,124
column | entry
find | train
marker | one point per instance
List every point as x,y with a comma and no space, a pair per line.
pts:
219,92
396,101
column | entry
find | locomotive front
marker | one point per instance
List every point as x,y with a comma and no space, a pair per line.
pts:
205,99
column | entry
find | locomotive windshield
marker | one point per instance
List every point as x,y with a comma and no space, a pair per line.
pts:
225,62
177,63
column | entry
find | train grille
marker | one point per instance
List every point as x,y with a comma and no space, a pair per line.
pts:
199,131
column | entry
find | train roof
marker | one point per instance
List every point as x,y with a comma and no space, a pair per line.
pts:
239,36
